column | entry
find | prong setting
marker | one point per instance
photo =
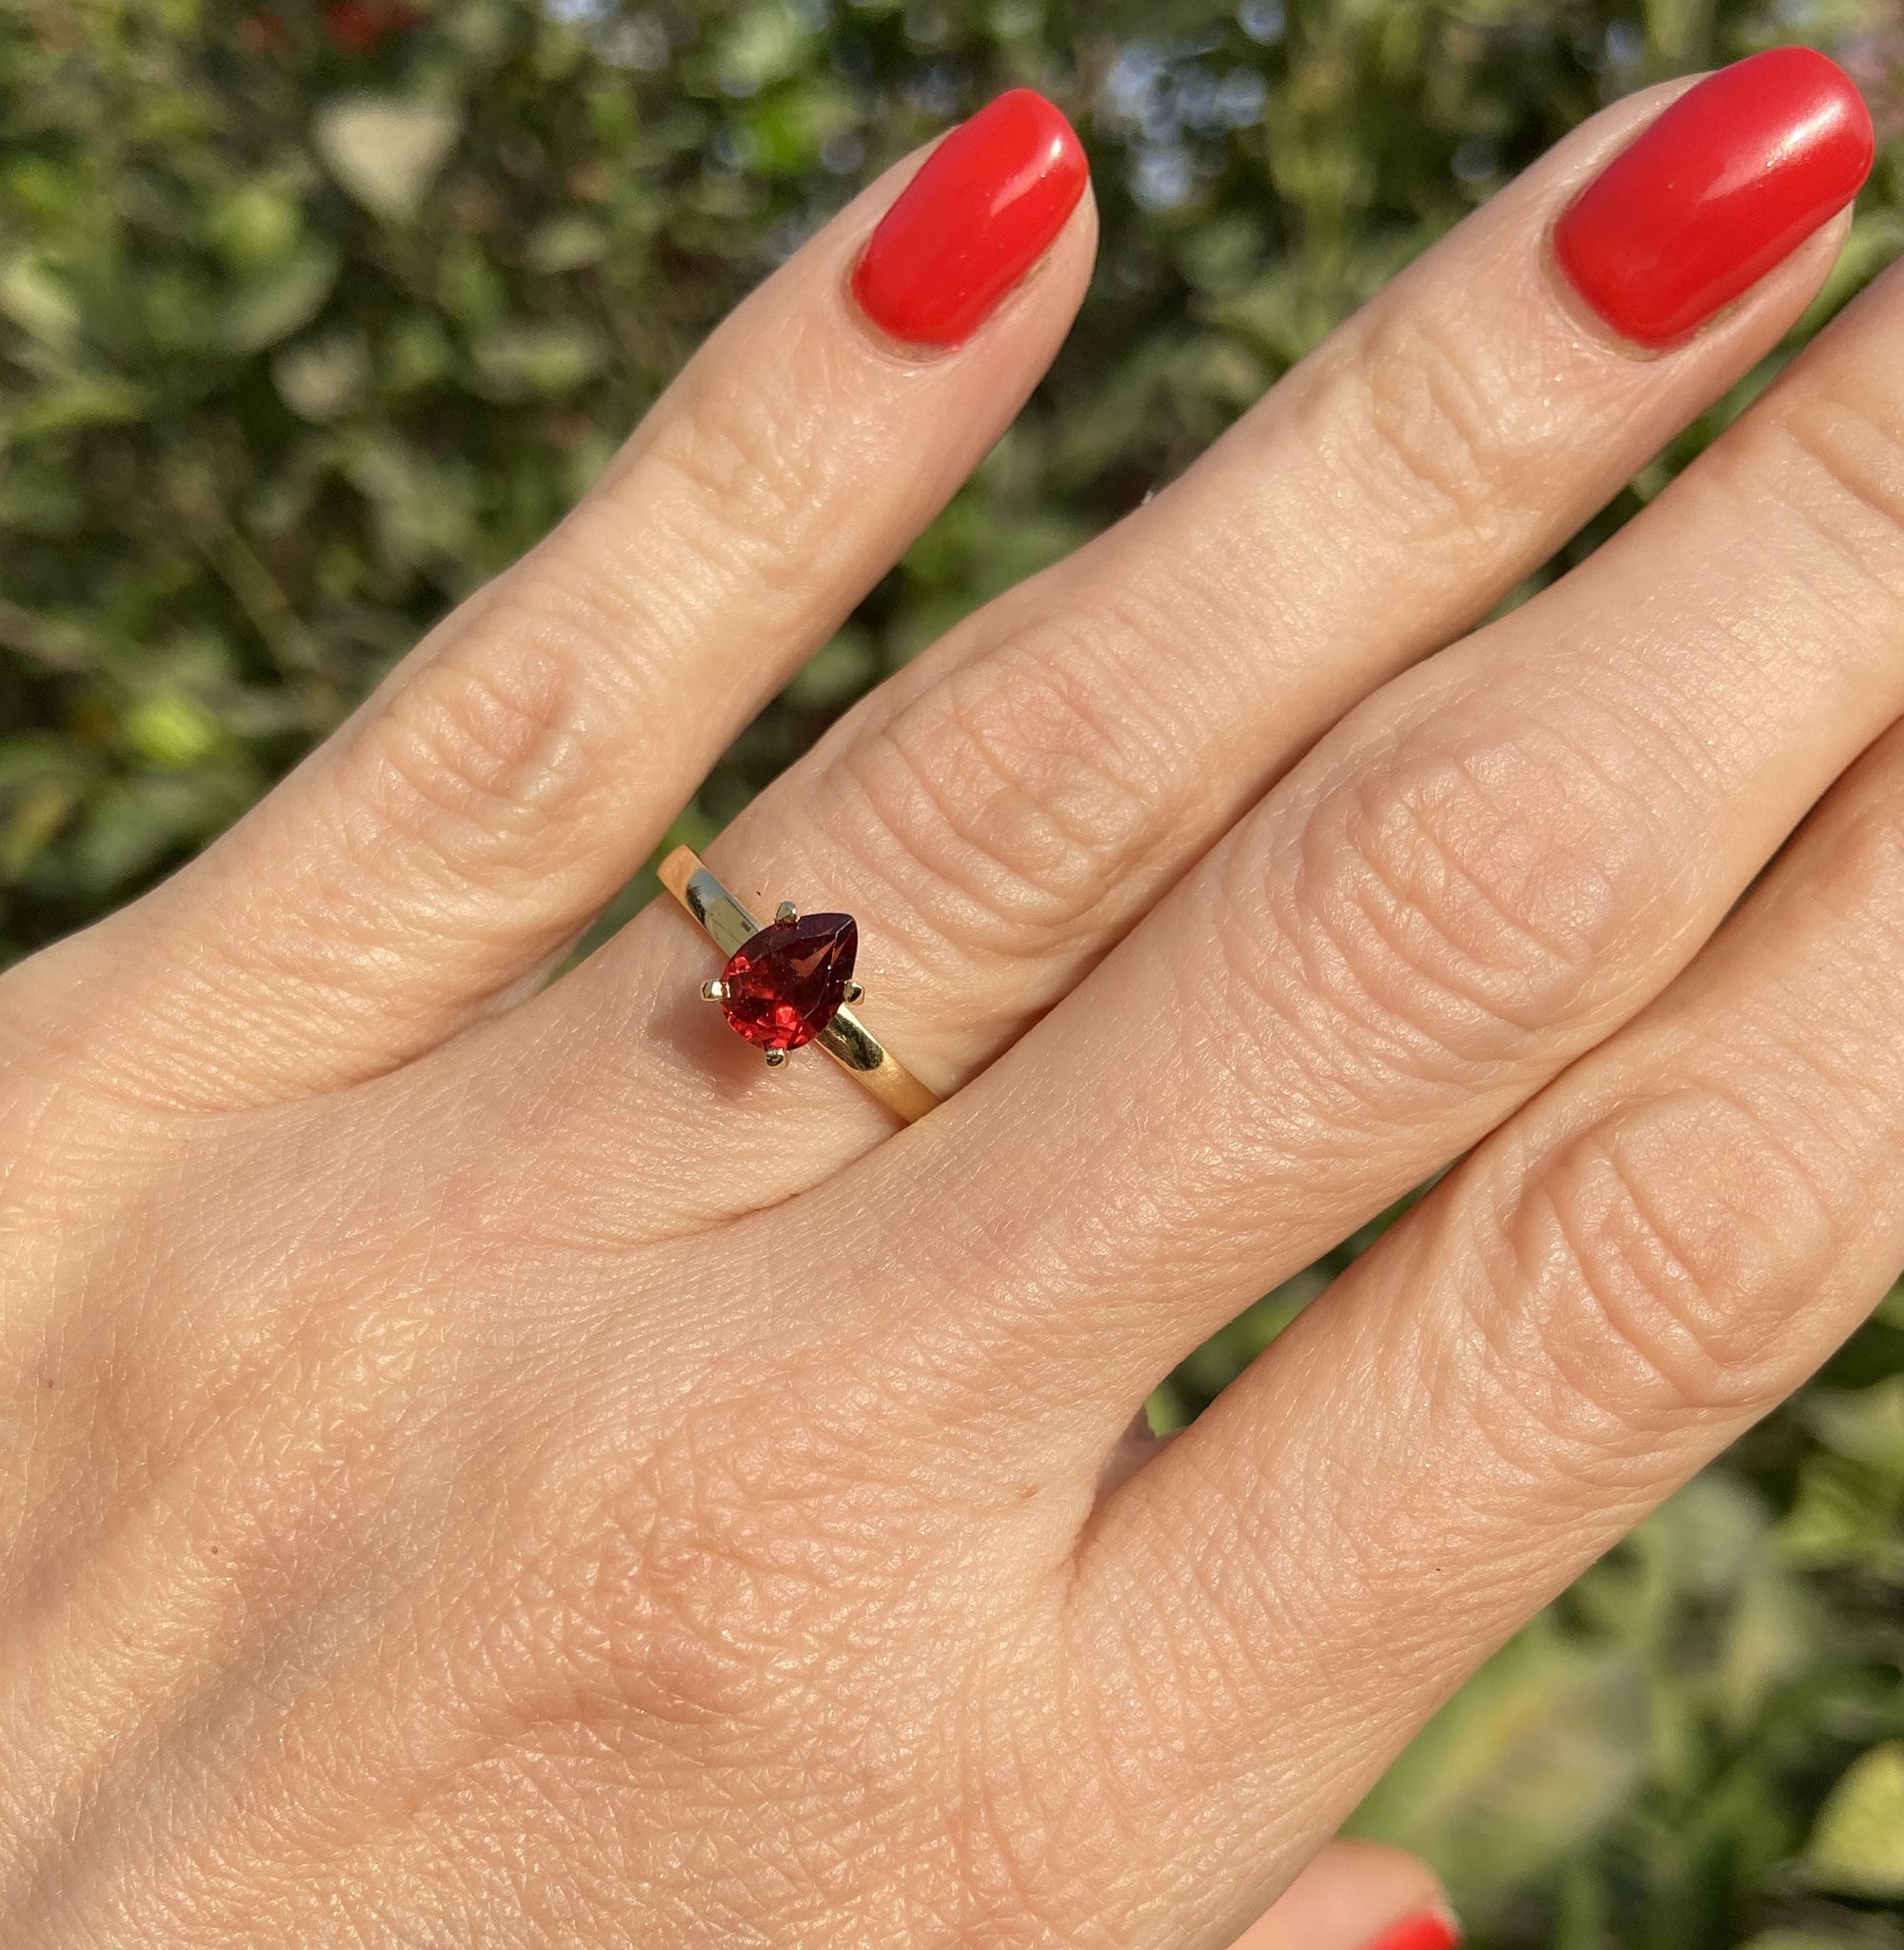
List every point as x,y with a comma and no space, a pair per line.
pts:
855,991
844,1039
785,982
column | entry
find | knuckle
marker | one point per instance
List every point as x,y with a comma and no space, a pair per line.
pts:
1011,801
1665,1249
1468,890
702,1579
649,1603
1838,463
477,760
1436,451
728,494
738,478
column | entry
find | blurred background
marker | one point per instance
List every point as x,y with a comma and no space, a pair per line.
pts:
314,316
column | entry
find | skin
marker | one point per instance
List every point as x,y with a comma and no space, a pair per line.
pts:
487,1462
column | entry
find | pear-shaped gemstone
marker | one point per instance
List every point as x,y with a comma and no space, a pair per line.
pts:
783,986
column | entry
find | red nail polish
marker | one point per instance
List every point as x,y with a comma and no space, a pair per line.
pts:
1726,183
1434,1929
985,207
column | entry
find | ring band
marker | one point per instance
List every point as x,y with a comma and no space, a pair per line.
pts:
843,1037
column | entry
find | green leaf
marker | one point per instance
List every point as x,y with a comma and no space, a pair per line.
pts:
274,303
837,673
1857,1845
1864,1424
415,353
765,43
1773,1635
171,730
253,226
37,302
424,509
1535,1753
524,359
131,825
30,822
386,152
565,243
318,378
88,399
1845,1512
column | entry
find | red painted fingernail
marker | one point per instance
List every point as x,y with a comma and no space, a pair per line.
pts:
982,209
1727,182
1434,1929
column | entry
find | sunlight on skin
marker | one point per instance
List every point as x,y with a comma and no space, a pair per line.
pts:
490,1462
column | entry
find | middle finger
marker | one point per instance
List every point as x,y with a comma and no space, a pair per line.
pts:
1004,810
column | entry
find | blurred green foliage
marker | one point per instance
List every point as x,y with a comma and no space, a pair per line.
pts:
313,316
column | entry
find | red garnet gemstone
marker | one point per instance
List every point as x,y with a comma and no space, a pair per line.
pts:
786,982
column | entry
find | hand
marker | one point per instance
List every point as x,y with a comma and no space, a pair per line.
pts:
489,1463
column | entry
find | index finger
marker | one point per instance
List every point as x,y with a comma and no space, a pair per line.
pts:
431,858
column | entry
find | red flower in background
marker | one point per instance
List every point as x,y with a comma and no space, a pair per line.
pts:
361,26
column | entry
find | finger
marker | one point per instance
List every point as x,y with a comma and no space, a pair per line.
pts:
515,771
1475,878
1610,1289
1002,810
1358,1895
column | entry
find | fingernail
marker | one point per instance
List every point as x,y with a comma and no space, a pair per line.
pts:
985,206
1722,185
1433,1929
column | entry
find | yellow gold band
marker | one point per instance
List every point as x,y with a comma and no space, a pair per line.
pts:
845,1039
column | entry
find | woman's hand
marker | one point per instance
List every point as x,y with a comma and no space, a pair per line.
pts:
489,1464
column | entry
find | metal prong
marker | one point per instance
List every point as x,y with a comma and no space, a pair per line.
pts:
714,992
775,1058
855,991
787,911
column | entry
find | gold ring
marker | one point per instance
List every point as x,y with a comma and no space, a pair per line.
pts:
789,984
